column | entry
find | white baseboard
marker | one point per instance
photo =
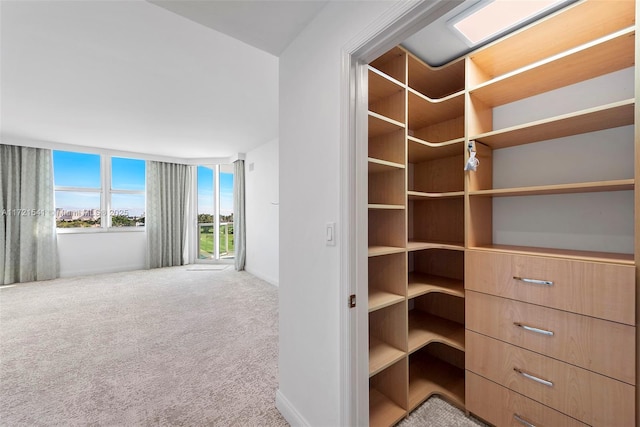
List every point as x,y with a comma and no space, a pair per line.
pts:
289,412
91,272
259,275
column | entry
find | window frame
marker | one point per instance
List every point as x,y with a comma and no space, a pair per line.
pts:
106,191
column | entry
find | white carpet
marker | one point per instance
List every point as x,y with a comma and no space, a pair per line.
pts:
161,347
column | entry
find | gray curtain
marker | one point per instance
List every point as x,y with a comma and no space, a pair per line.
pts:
239,238
166,214
28,247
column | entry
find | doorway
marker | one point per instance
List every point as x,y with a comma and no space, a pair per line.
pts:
215,235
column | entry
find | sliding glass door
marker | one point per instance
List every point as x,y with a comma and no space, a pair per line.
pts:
215,212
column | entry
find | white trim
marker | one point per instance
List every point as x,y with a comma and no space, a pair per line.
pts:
270,280
400,21
289,412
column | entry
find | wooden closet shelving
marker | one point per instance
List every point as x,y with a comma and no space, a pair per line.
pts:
445,280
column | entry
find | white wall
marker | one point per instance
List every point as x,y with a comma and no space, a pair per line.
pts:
589,221
108,252
262,211
310,78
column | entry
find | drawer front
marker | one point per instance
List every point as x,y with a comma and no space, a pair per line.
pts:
502,407
589,397
580,340
606,291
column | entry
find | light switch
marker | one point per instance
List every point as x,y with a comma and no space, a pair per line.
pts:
330,234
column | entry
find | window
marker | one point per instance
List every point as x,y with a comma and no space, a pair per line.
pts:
98,192
215,212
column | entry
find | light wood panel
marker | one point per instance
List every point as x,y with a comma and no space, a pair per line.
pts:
573,391
571,188
609,54
438,220
424,112
443,132
388,147
429,375
387,228
588,120
606,291
607,257
435,82
441,263
420,284
441,175
392,63
583,341
383,412
552,36
387,187
425,329
377,250
380,125
502,407
387,280
387,336
381,166
392,106
420,150
388,395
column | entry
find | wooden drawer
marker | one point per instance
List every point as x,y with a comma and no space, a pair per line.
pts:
589,397
606,291
502,407
580,340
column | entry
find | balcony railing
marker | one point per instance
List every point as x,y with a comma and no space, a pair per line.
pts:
206,242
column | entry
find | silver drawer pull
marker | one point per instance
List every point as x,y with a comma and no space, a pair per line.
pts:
532,329
534,281
522,421
534,378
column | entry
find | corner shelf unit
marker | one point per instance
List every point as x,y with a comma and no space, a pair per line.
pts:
430,222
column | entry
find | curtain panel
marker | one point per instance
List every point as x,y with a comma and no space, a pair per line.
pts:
28,246
166,219
239,234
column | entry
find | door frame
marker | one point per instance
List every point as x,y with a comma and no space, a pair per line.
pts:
399,22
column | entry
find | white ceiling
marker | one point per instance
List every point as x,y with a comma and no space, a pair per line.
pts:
265,24
129,75
178,78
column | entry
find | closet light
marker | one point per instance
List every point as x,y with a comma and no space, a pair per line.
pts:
497,16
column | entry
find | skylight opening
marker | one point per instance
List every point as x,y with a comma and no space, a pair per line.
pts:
497,17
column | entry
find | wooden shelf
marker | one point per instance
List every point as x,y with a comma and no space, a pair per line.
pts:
424,112
581,187
382,355
609,257
417,246
380,299
380,125
605,55
418,195
381,85
379,166
435,82
420,284
383,412
425,329
589,120
420,151
549,36
392,63
429,375
387,207
384,250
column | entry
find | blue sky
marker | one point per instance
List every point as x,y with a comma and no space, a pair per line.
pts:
205,191
82,170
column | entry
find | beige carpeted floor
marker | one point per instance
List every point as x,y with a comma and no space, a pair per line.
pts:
161,347
183,346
